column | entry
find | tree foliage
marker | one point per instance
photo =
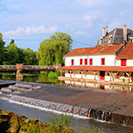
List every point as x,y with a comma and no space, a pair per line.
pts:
14,55
1,48
29,57
52,50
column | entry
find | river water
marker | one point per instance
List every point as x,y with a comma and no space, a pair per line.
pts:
45,114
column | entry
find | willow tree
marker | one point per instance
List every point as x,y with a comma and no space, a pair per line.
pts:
52,50
1,48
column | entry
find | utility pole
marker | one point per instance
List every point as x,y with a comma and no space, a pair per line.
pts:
68,44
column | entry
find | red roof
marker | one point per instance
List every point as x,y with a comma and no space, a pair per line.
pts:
99,68
127,52
96,50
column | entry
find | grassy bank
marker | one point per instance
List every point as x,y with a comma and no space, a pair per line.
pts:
13,123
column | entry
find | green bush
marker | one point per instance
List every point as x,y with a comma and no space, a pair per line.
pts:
58,72
44,73
53,74
63,121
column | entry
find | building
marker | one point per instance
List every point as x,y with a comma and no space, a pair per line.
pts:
110,60
116,36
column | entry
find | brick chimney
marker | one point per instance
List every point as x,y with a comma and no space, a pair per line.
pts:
125,32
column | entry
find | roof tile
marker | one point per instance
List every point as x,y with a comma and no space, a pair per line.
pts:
96,50
127,52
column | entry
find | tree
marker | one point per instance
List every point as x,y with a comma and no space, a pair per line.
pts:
1,48
12,41
29,57
52,50
11,55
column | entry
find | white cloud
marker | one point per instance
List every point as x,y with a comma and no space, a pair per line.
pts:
90,2
31,30
88,18
80,32
115,24
17,32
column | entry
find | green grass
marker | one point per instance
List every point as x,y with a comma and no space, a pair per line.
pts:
56,124
90,130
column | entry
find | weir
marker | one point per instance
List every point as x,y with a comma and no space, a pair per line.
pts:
87,112
12,93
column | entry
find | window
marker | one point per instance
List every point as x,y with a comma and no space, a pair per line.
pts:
85,62
90,61
123,62
72,61
81,61
102,61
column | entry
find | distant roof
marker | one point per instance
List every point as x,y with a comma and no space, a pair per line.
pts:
119,32
95,50
117,37
126,52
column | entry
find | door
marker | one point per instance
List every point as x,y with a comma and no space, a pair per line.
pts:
102,75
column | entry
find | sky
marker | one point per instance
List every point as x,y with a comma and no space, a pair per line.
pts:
29,22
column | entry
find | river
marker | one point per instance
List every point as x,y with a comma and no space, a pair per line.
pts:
44,114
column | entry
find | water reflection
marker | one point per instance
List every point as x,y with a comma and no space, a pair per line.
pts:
87,85
43,78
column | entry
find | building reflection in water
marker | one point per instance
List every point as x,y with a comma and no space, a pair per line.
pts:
87,86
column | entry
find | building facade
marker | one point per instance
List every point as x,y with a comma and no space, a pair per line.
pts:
106,61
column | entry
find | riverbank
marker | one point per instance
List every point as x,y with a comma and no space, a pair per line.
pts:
13,123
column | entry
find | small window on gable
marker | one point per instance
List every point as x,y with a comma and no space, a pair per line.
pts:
72,61
90,61
81,61
85,62
123,62
102,61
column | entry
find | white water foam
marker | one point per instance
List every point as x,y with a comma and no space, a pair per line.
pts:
50,110
54,111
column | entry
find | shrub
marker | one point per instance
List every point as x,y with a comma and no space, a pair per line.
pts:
63,121
52,75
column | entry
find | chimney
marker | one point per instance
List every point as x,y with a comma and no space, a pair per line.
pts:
125,32
104,31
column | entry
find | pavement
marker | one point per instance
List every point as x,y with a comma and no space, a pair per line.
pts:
5,83
115,102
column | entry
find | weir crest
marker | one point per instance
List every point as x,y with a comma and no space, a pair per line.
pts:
86,112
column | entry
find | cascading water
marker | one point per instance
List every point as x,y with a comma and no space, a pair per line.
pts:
81,111
86,112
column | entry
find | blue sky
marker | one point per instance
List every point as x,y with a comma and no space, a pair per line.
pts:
29,22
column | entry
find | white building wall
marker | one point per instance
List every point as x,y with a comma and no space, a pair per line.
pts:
118,62
76,60
109,60
129,62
